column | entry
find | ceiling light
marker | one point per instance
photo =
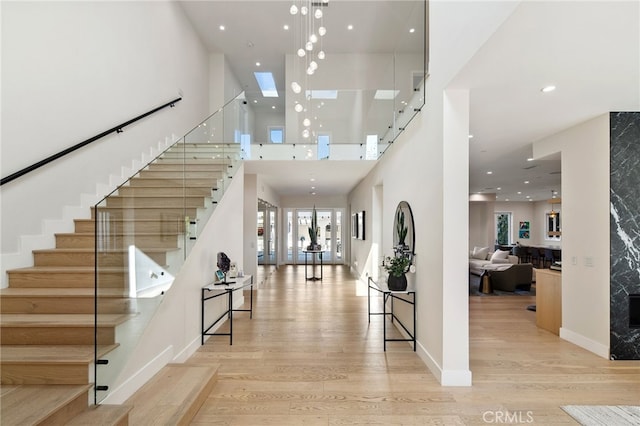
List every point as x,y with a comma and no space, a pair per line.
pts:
293,10
530,159
519,192
322,31
321,54
489,172
255,101
306,122
257,64
301,52
305,133
285,27
309,46
298,107
296,87
470,136
548,89
312,179
304,10
318,13
221,27
526,182
313,38
498,189
412,30
273,107
349,27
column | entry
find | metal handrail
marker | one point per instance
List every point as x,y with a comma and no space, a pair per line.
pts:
117,129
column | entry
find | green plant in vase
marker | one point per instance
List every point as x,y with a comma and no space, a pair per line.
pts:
397,267
401,229
313,231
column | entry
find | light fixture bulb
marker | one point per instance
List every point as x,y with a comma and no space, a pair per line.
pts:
321,54
309,46
304,10
313,38
310,71
318,13
298,107
293,10
296,87
306,122
313,65
305,133
322,31
301,52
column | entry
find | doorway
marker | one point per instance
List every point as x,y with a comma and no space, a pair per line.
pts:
330,235
267,233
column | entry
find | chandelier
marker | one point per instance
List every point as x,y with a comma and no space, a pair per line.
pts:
308,32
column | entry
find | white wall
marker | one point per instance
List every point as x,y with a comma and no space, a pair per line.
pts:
250,224
71,70
174,332
419,170
585,231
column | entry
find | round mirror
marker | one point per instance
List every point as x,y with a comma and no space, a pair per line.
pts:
403,230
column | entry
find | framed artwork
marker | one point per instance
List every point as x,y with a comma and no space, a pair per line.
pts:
361,231
354,225
524,231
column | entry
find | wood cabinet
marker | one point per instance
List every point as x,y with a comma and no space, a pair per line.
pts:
549,300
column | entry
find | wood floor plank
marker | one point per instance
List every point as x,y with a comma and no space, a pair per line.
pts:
309,356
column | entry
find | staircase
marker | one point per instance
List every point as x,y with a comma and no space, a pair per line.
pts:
47,320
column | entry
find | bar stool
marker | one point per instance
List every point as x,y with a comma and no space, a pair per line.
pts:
547,257
534,255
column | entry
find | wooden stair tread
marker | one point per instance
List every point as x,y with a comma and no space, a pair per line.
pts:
66,269
61,292
173,395
91,250
18,401
102,415
59,354
62,320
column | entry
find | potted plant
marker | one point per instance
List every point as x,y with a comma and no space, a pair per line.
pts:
313,231
401,229
397,267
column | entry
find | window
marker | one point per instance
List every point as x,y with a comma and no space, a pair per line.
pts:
553,229
323,146
276,134
503,227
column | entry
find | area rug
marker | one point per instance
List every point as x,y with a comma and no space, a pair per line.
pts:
474,289
605,415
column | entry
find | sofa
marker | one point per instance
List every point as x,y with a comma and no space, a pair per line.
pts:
480,258
505,273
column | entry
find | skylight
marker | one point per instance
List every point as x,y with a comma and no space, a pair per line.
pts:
267,84
322,94
386,94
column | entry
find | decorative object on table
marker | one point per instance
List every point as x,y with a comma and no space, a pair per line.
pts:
233,270
397,267
313,231
404,231
224,264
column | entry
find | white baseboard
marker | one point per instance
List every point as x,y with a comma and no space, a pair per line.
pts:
445,377
584,342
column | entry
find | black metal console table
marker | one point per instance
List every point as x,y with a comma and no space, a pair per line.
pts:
214,290
389,295
313,264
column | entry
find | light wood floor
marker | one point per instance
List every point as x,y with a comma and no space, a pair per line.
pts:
309,357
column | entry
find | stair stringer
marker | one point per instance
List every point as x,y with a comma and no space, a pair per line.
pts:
175,327
23,257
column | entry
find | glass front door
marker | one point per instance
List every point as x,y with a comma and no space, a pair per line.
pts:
267,235
329,234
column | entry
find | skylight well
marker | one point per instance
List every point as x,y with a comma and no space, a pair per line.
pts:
267,84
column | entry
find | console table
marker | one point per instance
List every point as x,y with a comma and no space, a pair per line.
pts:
215,290
407,296
313,253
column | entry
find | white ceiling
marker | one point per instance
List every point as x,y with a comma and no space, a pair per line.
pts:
589,50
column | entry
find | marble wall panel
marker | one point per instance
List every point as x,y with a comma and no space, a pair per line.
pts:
625,231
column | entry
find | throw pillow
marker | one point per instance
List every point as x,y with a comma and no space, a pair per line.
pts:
500,261
480,253
500,254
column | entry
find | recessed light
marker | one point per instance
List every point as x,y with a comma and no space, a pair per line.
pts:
519,192
412,30
489,172
257,64
499,189
526,182
255,101
506,199
527,196
530,159
273,107
221,27
285,27
349,27
470,136
548,89
312,179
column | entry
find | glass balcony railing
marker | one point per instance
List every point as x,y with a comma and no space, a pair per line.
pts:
144,231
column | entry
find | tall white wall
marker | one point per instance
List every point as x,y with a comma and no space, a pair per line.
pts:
585,231
71,70
419,170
